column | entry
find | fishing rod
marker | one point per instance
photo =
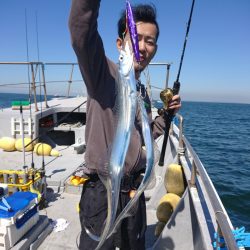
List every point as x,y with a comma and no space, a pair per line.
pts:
21,108
167,94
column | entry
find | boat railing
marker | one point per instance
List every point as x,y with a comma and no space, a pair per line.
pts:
36,78
39,75
71,73
33,68
224,227
167,65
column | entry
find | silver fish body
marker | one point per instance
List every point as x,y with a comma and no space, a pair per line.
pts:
149,143
126,103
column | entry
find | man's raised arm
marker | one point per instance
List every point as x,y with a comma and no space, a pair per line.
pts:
86,41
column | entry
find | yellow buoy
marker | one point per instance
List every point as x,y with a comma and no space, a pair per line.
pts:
19,144
7,144
166,206
55,153
42,149
173,180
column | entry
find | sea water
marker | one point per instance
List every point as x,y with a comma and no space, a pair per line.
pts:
220,134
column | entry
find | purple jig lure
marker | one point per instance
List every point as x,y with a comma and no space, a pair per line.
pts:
132,31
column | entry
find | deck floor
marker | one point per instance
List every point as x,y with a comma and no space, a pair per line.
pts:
62,205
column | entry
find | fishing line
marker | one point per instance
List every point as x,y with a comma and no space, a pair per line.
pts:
30,113
28,72
37,39
167,94
27,42
39,76
42,172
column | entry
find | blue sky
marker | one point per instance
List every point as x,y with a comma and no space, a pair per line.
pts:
216,65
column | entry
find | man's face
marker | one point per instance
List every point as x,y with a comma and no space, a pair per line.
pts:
147,44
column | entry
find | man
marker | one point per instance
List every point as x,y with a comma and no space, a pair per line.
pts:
100,76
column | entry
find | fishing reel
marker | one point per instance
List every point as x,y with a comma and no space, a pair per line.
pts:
166,96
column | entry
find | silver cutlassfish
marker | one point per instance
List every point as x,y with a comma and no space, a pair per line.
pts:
146,130
126,103
148,140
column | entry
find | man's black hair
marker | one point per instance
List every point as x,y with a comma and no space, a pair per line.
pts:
142,13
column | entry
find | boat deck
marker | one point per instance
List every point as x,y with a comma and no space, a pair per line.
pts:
58,169
62,206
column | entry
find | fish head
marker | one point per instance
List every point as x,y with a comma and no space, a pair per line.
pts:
126,60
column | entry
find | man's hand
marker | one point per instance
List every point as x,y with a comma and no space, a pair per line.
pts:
175,103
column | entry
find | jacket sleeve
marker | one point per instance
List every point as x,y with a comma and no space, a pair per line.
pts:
158,124
87,43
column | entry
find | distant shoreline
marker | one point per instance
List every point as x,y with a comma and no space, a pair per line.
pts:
195,101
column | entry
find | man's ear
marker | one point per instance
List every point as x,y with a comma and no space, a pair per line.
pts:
119,43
